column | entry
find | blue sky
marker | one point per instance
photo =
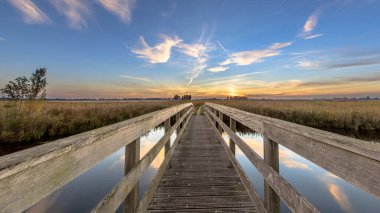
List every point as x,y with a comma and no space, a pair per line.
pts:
208,48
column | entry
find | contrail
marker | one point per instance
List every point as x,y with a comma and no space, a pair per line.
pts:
224,49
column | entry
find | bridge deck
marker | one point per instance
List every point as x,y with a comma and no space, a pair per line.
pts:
199,178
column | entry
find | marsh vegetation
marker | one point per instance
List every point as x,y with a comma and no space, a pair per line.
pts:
360,119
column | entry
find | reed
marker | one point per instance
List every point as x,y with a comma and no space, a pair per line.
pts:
37,121
337,116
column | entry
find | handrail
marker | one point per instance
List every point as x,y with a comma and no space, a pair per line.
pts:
143,204
357,163
353,160
29,175
112,200
295,201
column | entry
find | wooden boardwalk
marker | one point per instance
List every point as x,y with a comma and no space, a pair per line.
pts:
199,177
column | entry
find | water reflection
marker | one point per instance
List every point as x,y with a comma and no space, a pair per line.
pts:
84,192
326,191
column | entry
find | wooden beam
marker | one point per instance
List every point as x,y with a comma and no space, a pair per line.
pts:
30,175
132,156
231,142
271,157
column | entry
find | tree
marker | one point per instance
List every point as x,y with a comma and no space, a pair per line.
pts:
37,84
23,88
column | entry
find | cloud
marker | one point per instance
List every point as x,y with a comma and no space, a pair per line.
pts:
31,13
255,56
73,10
121,8
160,53
307,64
311,22
2,39
313,36
192,50
135,78
218,69
310,25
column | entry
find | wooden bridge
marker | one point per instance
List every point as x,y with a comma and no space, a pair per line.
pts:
199,173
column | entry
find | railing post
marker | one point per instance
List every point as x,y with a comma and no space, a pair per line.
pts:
221,118
271,157
232,143
132,157
177,116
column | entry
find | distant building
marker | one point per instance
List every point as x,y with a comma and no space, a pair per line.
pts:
237,98
186,97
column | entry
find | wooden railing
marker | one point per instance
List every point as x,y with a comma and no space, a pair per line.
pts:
355,161
28,176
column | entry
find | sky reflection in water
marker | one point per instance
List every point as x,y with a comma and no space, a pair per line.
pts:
326,191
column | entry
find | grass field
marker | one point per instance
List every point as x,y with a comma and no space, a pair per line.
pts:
42,121
353,118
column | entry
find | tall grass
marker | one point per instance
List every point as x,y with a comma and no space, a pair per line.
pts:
42,121
337,116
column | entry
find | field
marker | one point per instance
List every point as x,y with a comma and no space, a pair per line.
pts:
34,122
359,119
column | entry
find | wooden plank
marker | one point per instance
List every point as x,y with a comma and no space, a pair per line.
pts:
117,195
132,156
143,205
235,164
295,201
357,169
196,184
30,175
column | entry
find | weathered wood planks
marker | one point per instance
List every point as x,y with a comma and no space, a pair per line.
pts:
199,179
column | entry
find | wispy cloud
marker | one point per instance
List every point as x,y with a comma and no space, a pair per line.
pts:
74,11
313,36
121,8
218,69
2,39
307,64
310,25
160,53
135,78
193,50
31,13
255,56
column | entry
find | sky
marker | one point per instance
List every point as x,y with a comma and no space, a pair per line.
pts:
206,48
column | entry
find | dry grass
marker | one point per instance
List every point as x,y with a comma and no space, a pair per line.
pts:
338,116
42,121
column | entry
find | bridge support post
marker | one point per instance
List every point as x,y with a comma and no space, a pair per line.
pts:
271,157
177,116
232,143
221,118
167,145
132,157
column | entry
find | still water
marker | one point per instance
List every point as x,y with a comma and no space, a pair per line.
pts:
326,191
323,189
